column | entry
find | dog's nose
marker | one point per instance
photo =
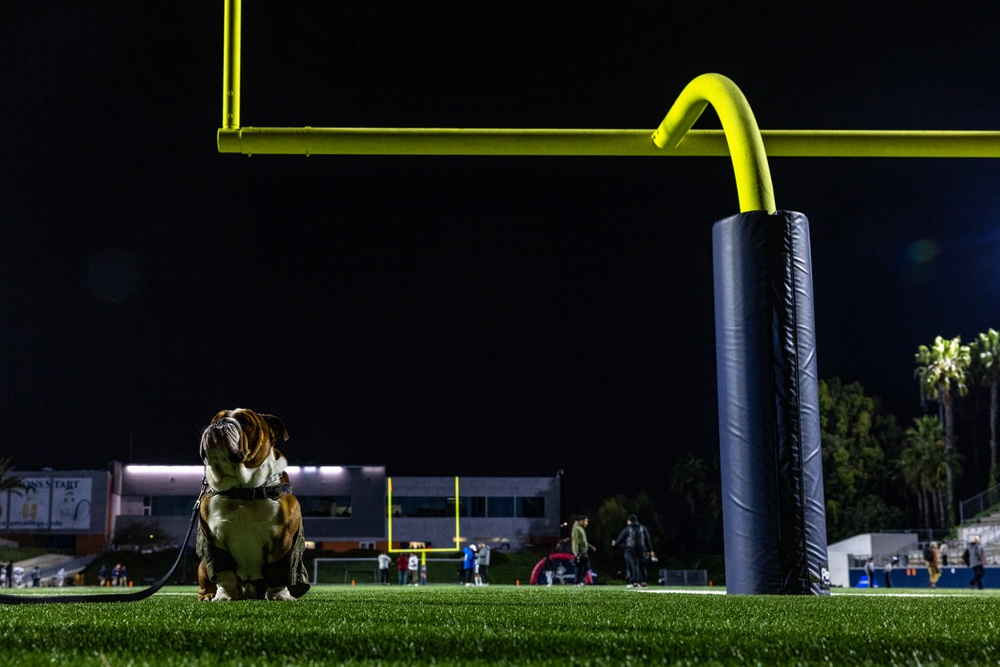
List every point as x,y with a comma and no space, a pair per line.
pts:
225,425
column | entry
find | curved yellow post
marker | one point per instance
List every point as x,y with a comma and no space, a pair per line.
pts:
753,177
231,66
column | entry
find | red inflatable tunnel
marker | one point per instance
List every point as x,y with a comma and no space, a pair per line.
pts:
559,556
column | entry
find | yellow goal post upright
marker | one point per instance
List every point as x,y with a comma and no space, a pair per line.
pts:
423,551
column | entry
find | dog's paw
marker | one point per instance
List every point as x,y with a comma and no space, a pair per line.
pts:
280,594
227,587
221,596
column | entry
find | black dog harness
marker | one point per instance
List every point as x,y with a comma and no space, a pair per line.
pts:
269,491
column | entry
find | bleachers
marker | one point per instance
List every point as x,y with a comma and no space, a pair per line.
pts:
49,565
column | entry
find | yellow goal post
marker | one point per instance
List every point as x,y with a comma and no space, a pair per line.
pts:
423,551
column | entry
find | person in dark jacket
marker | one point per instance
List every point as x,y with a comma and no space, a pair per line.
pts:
870,571
634,538
549,569
977,561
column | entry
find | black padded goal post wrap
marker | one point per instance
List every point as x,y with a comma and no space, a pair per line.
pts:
772,469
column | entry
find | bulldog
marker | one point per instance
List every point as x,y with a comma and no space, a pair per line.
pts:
250,530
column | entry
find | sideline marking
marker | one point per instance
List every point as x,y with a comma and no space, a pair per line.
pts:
963,594
679,591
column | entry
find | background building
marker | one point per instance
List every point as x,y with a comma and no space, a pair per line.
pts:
343,507
504,512
68,511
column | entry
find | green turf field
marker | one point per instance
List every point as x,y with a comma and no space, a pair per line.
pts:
506,625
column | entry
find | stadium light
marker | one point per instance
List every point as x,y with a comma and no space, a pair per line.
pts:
164,470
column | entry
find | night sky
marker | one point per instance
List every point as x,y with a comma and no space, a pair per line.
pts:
458,315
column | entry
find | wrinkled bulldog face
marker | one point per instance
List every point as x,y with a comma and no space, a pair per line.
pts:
241,436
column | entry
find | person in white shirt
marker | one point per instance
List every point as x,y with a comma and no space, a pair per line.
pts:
414,566
383,568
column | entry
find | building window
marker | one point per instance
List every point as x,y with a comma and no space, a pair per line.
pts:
475,507
167,505
326,506
500,506
423,506
531,508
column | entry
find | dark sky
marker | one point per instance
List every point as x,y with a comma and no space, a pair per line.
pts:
457,315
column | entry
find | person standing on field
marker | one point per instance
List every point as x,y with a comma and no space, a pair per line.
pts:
383,568
483,561
635,539
468,564
870,571
402,563
549,569
413,564
977,561
933,563
581,549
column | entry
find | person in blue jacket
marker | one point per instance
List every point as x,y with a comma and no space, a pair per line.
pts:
468,564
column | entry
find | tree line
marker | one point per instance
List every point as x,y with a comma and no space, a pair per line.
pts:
877,474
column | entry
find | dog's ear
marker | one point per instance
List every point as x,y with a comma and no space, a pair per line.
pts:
278,431
219,415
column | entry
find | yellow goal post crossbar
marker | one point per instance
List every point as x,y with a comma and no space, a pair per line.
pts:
424,550
740,138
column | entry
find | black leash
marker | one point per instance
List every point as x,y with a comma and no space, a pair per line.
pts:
114,597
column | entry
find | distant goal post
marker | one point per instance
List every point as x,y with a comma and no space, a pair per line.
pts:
423,551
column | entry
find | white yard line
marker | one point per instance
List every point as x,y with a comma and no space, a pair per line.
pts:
699,591
722,591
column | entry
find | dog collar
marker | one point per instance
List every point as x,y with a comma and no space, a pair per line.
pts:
270,491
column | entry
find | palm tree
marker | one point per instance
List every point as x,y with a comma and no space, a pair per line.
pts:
941,371
986,355
687,478
8,481
910,466
923,466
